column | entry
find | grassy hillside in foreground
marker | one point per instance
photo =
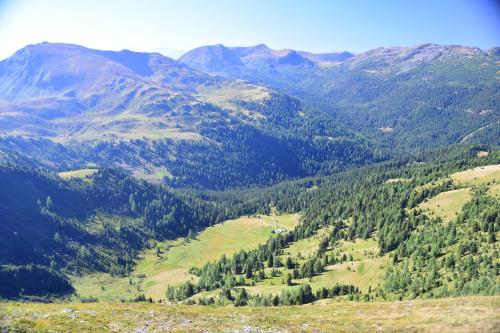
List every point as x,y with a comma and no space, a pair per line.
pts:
170,266
466,314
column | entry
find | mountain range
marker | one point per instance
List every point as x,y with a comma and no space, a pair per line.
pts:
101,107
221,59
400,95
355,176
69,92
221,112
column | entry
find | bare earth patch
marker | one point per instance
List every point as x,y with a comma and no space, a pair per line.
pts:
386,129
482,154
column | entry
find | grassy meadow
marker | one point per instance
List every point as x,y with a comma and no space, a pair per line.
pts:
447,205
478,176
154,273
170,264
465,314
81,173
365,270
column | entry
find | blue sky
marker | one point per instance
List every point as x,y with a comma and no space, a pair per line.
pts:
317,26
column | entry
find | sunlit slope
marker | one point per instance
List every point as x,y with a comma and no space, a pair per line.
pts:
465,314
447,205
478,176
80,173
156,269
362,266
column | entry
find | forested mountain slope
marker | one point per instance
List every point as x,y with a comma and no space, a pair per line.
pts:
411,97
161,120
49,220
101,222
332,253
52,225
106,156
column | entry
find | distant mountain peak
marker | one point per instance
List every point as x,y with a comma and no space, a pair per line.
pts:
77,93
293,58
44,82
493,51
416,54
260,47
219,58
138,62
326,57
223,58
211,58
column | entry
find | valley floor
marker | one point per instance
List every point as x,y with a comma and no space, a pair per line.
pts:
465,314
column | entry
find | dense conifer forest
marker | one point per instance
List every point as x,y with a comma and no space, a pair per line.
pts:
101,223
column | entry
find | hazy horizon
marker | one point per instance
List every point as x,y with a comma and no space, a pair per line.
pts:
173,28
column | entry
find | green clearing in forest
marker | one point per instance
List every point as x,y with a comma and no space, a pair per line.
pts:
153,273
478,176
365,270
81,173
447,205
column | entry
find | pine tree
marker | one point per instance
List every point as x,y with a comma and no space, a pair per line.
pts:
48,202
242,298
190,235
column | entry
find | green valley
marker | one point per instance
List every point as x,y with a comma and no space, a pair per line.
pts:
168,262
250,188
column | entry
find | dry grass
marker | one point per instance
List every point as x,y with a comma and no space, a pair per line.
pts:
397,180
362,274
364,271
226,96
482,154
306,247
466,314
81,173
432,184
494,190
446,205
478,176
